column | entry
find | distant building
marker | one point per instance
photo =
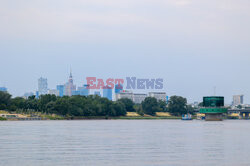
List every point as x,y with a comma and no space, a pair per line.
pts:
75,92
69,87
28,94
107,92
118,88
124,94
139,98
42,86
37,94
97,93
84,91
60,89
3,89
53,92
237,100
158,95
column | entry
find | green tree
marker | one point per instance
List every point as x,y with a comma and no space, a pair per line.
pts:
129,104
177,105
120,109
162,106
150,106
5,99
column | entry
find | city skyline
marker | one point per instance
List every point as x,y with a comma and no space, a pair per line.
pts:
102,92
194,46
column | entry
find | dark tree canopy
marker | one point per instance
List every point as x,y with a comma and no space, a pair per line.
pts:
128,103
177,105
150,106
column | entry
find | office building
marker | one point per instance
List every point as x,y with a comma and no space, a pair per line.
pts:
124,94
158,95
107,92
84,91
37,94
138,98
60,89
237,100
75,92
118,88
42,86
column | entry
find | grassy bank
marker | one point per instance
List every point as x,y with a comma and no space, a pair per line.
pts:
1,118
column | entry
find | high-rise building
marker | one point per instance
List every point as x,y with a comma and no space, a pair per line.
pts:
138,98
84,91
237,100
118,88
60,89
42,86
107,92
158,95
69,87
3,89
124,94
75,92
37,94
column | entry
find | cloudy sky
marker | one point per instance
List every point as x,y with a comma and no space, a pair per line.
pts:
194,45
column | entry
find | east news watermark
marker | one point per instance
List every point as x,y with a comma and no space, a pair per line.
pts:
128,83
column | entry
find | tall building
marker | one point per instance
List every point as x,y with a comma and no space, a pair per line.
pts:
138,98
107,92
118,88
238,99
158,95
42,86
60,89
3,89
69,87
125,94
84,91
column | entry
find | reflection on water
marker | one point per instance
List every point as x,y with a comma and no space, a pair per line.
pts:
124,143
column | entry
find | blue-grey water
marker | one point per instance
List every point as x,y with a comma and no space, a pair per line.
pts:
125,143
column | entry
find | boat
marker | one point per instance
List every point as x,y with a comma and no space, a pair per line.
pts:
186,117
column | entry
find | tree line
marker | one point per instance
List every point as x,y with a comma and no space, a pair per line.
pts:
92,105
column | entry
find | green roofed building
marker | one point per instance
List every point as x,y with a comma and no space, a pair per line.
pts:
213,108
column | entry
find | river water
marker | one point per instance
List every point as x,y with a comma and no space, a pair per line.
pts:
125,143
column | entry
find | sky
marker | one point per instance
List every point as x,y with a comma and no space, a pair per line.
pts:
193,45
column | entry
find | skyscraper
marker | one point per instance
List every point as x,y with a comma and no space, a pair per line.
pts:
60,88
107,92
118,88
237,100
42,86
69,87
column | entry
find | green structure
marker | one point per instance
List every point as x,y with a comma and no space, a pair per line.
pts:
213,108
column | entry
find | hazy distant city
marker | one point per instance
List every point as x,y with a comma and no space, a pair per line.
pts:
114,94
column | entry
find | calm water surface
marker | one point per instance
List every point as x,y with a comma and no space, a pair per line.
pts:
125,143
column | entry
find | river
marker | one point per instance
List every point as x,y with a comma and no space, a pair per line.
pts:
125,143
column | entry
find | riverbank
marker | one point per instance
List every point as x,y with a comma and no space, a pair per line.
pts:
129,116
